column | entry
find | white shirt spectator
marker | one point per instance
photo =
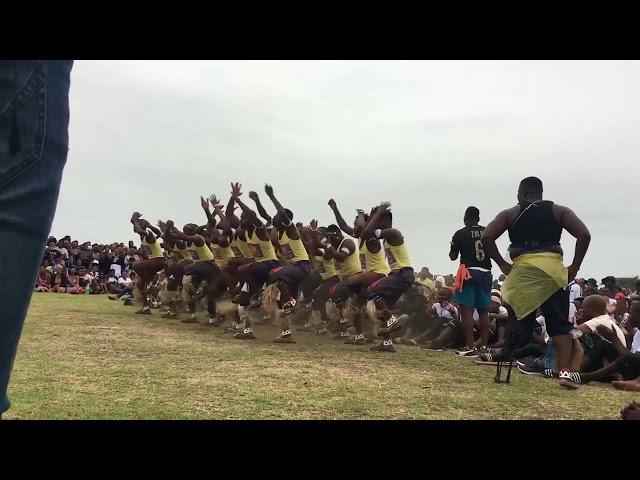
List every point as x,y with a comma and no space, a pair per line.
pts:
124,282
443,312
541,321
64,252
117,268
635,345
135,258
112,280
572,313
492,321
575,291
605,321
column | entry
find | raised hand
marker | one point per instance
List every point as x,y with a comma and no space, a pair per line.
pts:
162,225
214,200
385,205
268,189
204,202
236,190
254,196
332,203
314,224
135,216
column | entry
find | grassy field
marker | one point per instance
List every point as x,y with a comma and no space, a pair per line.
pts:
84,357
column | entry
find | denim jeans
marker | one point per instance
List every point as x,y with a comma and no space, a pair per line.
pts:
34,120
550,356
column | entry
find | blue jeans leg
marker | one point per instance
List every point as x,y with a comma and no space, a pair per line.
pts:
550,357
34,120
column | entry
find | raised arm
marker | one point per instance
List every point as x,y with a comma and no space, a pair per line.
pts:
234,221
197,240
391,235
290,227
263,213
341,223
204,203
135,220
494,230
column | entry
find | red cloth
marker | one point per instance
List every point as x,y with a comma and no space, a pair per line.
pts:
462,275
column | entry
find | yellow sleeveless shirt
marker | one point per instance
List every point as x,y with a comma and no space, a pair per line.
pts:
154,250
351,264
292,250
398,256
261,250
374,262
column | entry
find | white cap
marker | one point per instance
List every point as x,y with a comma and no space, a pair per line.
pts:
440,279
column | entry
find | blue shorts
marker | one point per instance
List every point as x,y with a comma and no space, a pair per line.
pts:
476,293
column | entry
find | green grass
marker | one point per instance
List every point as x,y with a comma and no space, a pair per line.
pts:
83,357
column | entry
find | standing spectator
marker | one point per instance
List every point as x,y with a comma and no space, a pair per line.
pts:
118,261
575,289
425,278
611,286
591,287
74,255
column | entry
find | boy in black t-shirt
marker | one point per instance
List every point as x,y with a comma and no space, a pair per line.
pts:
475,293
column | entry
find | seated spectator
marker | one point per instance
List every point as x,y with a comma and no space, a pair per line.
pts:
598,350
412,311
59,281
74,282
126,280
98,283
112,282
86,277
126,283
443,313
43,282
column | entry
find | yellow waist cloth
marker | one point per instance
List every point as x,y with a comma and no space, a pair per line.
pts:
533,279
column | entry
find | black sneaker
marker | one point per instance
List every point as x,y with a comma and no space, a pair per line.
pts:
533,368
127,302
385,346
468,352
322,330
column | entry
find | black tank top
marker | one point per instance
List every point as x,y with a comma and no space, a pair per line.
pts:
536,227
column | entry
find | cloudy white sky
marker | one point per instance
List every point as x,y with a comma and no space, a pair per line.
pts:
433,137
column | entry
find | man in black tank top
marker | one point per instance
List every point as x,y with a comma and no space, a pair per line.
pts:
534,228
475,293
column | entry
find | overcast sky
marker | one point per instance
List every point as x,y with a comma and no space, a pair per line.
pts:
433,137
